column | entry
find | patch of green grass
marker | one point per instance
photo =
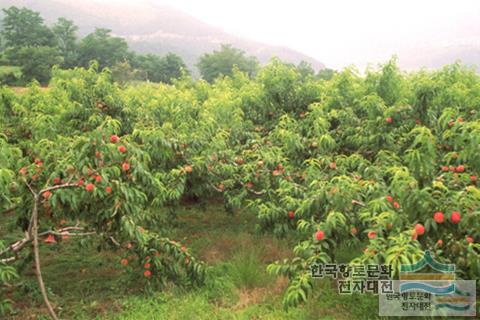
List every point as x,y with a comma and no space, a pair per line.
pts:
216,236
247,270
196,306
327,302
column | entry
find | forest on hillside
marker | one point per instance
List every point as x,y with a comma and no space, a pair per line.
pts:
29,49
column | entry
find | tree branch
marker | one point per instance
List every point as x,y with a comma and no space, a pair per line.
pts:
16,246
7,260
37,260
257,193
20,244
35,197
60,186
115,242
30,188
359,203
216,189
66,233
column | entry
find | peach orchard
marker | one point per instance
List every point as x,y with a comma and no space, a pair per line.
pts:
389,160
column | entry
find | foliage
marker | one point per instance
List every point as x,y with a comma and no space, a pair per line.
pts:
102,47
29,43
10,75
7,274
161,69
222,63
330,163
123,73
23,27
36,63
325,74
65,33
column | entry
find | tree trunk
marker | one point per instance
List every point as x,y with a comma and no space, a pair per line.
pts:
37,259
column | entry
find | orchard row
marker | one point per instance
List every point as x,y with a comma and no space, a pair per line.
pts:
388,160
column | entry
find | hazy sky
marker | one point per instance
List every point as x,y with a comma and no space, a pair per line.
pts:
344,32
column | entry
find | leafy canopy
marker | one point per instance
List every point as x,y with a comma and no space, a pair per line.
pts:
222,63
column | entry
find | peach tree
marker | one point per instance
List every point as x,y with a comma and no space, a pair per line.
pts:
377,175
88,179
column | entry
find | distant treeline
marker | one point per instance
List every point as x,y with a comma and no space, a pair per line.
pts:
29,49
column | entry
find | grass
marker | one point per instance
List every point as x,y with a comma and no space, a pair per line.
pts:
87,284
245,272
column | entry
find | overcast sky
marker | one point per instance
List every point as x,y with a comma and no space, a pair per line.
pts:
343,32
